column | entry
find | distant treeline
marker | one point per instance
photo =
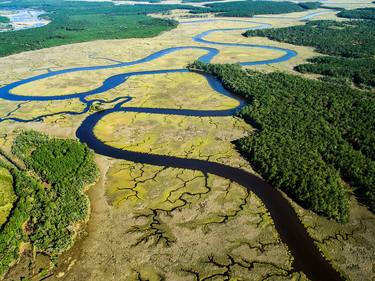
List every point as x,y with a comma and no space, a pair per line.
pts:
312,137
250,8
363,13
360,71
352,43
49,206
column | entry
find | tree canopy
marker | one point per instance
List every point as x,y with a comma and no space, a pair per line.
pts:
50,196
312,138
351,45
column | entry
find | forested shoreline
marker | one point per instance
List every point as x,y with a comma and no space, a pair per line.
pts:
312,138
350,44
74,22
50,200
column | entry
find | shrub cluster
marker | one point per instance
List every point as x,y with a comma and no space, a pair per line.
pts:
50,205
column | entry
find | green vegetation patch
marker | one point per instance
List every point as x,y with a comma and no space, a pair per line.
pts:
362,13
360,71
310,5
67,29
4,19
310,136
351,42
7,195
346,39
250,8
49,207
57,161
73,22
13,232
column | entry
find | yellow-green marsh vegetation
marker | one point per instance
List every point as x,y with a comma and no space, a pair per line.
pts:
7,195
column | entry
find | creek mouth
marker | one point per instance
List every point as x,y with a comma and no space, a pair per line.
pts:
307,257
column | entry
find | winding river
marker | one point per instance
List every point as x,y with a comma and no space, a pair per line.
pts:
307,257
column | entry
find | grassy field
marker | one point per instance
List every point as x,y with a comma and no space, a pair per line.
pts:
87,28
168,208
173,90
192,138
349,44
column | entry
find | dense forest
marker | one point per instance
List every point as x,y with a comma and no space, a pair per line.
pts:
49,205
360,71
312,137
351,43
73,22
310,5
250,8
4,19
363,13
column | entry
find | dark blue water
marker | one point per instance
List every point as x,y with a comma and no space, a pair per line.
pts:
307,258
